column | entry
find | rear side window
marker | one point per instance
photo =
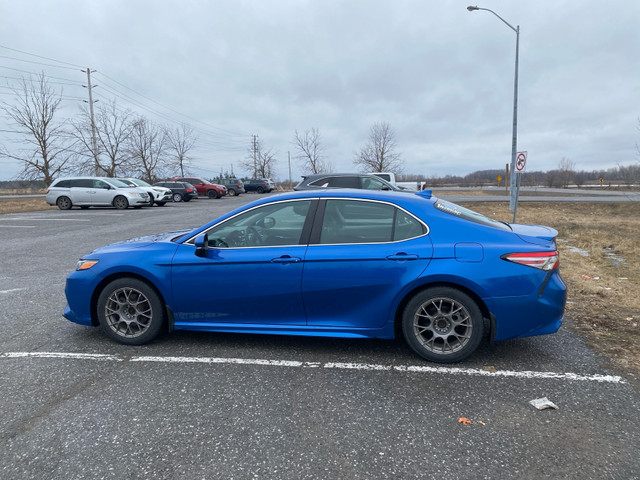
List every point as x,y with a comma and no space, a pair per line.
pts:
356,221
63,184
470,215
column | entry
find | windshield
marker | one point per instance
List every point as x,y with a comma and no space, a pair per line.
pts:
140,183
118,183
458,211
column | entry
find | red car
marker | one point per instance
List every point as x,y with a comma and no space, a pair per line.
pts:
203,187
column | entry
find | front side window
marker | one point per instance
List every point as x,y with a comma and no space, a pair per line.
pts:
276,224
369,183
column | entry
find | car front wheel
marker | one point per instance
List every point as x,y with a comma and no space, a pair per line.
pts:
212,194
64,203
442,324
130,311
121,203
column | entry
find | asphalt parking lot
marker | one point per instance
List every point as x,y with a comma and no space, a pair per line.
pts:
203,405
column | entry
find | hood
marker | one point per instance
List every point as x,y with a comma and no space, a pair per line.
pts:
140,242
536,234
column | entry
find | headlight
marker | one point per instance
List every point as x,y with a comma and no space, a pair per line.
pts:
85,264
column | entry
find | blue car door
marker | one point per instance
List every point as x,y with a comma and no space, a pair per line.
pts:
358,262
251,273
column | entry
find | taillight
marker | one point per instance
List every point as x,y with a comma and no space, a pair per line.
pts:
47,190
188,189
541,260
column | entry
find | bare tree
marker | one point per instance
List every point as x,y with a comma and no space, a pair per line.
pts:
379,154
113,129
566,171
146,148
310,151
47,151
260,160
181,141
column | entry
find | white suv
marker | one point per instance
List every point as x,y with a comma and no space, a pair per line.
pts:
86,192
158,195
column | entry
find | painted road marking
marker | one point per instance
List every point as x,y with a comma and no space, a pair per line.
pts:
11,290
475,372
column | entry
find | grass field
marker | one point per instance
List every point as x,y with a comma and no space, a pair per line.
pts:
599,262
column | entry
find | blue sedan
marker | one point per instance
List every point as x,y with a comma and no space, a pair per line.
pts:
340,263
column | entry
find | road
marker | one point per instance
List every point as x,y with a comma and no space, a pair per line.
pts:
200,405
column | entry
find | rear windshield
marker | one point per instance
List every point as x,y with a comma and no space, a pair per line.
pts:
458,211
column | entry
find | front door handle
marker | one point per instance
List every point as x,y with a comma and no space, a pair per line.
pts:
403,256
285,259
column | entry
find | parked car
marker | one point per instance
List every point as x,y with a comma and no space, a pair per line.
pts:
341,263
365,181
180,191
234,186
204,187
85,192
259,185
157,194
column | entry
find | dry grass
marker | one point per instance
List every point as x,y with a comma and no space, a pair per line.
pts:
603,302
13,205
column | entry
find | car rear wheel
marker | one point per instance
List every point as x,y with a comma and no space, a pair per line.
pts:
177,197
64,203
232,192
442,324
130,311
121,203
260,190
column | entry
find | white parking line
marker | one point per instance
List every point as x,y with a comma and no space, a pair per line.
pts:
37,219
475,372
11,290
17,226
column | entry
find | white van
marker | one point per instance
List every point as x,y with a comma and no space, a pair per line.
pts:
86,192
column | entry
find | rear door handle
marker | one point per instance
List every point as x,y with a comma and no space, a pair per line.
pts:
285,259
403,256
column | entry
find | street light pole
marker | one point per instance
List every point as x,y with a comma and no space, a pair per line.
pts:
514,140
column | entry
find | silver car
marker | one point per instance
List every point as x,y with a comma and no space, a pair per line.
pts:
158,195
85,192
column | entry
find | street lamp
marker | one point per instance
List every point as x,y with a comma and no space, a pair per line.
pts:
514,142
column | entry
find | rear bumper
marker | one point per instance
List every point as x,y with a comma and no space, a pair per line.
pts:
540,313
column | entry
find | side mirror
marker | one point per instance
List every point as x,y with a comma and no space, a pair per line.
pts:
202,245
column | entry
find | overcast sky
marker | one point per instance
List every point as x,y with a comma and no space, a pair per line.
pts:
441,76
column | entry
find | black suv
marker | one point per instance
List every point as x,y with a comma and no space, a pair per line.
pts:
234,185
344,180
181,191
259,185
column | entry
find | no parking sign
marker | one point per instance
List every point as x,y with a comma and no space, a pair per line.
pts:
521,162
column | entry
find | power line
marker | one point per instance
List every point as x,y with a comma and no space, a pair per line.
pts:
40,56
36,63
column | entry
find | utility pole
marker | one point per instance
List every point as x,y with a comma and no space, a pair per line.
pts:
93,123
255,150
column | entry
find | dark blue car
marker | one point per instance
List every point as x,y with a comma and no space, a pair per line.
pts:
339,263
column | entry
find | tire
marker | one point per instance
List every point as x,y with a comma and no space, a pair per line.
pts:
130,311
64,203
212,194
121,203
259,190
442,325
160,204
150,204
177,197
232,192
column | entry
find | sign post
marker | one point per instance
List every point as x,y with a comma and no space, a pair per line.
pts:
521,164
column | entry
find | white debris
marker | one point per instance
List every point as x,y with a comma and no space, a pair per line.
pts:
542,403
